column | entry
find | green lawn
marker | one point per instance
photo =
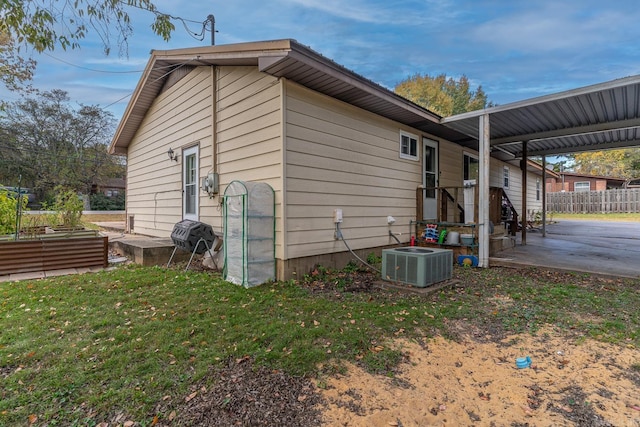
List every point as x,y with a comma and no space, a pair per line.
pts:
78,350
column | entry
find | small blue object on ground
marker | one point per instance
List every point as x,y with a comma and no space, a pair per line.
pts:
523,362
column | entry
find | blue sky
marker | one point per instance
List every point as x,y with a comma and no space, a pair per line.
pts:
514,49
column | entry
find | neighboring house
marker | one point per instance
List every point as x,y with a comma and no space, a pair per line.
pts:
569,181
321,136
112,188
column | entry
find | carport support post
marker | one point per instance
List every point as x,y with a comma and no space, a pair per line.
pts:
483,191
523,167
544,196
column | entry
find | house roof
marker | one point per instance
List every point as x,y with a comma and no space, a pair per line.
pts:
280,58
597,117
585,175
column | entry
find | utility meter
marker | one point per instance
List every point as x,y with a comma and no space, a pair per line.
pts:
210,184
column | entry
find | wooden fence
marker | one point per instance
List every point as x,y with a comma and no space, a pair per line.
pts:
607,201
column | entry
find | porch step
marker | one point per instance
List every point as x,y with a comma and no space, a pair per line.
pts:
499,243
147,251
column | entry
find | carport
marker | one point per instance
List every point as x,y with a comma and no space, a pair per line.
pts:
597,117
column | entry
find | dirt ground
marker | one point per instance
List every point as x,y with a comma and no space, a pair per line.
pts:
441,383
469,383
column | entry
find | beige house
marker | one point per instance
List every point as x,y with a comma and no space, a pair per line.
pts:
322,136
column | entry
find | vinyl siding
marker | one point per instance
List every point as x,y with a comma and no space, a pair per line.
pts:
249,133
341,157
180,117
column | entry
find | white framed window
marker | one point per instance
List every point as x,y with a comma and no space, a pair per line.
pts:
409,146
190,183
471,167
505,175
582,186
537,188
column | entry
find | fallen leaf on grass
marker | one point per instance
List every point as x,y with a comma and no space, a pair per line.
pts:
191,396
129,423
172,416
32,418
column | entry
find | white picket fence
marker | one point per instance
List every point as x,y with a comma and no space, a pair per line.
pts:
607,201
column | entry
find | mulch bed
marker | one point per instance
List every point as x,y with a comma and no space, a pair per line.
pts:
246,395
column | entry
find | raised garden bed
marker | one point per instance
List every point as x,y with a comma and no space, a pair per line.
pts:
53,251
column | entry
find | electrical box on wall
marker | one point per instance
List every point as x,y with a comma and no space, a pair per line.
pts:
337,216
210,183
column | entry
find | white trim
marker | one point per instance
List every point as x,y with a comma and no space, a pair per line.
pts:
408,155
426,142
473,156
187,152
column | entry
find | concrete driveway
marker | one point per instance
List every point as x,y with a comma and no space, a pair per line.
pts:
611,248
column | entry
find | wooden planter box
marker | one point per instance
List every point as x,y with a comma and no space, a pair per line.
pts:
55,251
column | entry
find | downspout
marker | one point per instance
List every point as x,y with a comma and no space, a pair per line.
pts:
283,176
483,193
523,167
214,116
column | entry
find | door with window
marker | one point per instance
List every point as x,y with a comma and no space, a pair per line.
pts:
190,183
430,178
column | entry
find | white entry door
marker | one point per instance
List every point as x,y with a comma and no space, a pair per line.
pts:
190,183
430,178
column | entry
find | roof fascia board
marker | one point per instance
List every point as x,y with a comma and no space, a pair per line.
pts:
582,149
132,102
578,130
613,84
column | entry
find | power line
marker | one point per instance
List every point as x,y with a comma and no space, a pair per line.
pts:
155,80
95,70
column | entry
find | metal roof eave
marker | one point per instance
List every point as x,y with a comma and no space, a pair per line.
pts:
281,58
596,117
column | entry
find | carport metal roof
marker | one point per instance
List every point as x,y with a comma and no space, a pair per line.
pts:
597,117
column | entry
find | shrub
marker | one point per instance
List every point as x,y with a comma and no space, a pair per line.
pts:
8,211
100,202
68,207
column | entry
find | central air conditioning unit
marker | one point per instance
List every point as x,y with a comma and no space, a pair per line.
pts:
417,266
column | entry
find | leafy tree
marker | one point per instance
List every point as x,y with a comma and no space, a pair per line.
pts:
45,24
50,143
14,70
623,163
443,95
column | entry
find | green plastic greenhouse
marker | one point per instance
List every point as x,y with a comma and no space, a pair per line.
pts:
249,233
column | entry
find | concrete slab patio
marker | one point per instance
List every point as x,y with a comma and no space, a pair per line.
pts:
601,247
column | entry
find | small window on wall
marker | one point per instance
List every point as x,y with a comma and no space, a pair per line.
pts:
471,167
408,146
505,174
582,186
537,188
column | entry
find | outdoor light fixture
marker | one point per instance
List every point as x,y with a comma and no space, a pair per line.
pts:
172,155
